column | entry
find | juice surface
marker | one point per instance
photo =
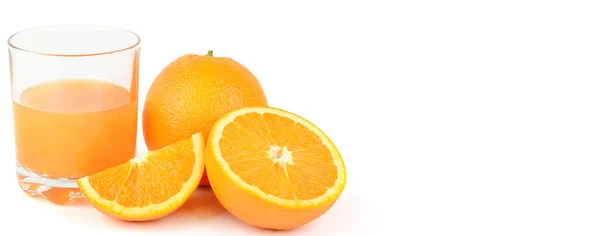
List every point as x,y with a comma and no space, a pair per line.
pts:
74,128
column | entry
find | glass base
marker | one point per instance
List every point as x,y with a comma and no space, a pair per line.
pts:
59,190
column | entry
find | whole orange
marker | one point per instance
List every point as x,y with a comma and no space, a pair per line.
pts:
191,93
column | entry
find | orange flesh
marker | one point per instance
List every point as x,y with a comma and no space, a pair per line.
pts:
279,156
74,128
153,180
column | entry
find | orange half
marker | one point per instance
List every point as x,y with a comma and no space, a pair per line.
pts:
273,169
151,187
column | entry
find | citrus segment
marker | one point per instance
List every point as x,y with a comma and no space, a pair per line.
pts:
273,169
151,187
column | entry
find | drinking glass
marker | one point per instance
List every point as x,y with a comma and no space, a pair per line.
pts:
75,103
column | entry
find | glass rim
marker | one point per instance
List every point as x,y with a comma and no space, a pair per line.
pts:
138,40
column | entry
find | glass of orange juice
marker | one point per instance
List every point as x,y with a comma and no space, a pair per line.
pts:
75,104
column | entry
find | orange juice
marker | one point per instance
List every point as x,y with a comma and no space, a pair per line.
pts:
74,128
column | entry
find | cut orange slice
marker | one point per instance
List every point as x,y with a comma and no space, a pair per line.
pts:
151,187
273,169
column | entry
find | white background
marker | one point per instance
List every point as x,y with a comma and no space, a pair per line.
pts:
453,117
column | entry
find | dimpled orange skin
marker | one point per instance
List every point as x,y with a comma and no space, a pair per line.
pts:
191,93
